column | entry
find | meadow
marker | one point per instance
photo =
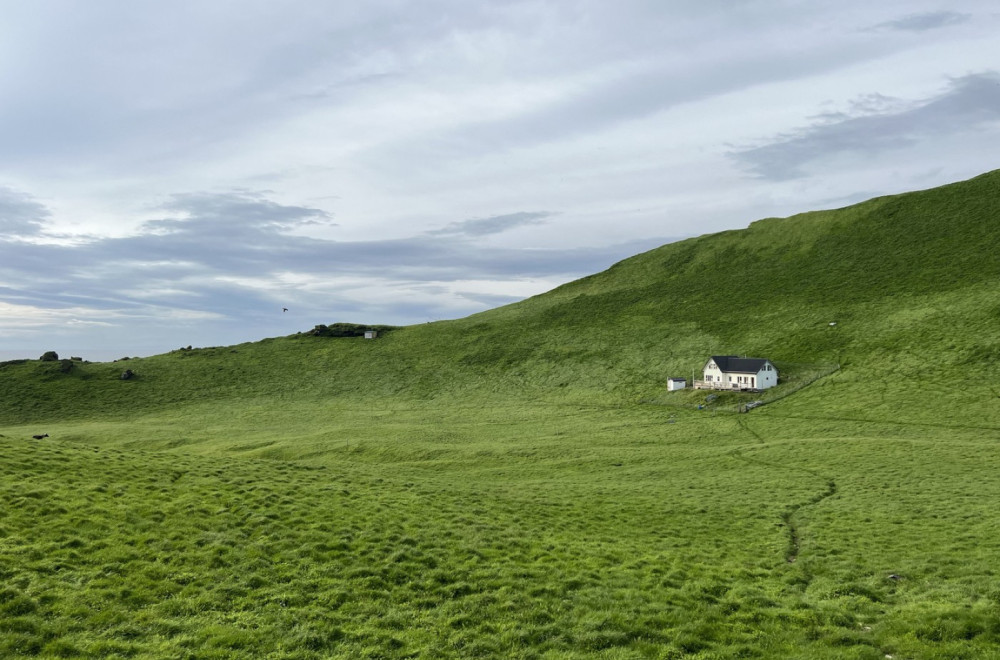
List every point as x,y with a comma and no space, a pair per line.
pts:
519,483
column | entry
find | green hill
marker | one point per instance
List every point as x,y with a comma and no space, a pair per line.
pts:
910,281
518,483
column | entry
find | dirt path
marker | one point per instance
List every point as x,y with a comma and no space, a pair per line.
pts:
788,518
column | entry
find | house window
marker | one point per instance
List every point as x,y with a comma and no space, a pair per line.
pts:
708,377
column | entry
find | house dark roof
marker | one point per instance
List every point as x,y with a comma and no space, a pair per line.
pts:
733,364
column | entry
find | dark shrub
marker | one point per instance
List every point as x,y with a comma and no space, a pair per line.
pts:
346,330
49,356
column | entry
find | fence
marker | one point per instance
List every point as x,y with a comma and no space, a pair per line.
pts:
720,385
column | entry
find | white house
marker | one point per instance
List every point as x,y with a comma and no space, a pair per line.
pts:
731,372
676,384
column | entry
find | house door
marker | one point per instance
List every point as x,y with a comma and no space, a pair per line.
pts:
751,381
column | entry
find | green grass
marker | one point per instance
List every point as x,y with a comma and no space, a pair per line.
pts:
519,483
564,530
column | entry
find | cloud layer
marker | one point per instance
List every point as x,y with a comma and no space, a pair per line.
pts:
931,20
969,105
182,172
20,215
233,259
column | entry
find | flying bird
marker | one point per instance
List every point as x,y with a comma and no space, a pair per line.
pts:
284,309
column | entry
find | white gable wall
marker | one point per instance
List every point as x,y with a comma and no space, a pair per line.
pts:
712,373
767,377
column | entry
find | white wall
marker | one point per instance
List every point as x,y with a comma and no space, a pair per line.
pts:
711,372
766,379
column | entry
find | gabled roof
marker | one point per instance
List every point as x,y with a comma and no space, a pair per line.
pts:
733,364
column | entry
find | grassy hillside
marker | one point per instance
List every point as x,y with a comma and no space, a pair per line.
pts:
519,484
910,281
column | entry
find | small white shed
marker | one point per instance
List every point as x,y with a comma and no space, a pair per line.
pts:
674,384
371,334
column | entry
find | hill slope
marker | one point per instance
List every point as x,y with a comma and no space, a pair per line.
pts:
910,281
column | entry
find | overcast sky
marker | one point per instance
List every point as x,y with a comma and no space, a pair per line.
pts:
178,173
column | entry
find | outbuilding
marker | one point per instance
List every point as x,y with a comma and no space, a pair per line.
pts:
731,372
674,384
371,334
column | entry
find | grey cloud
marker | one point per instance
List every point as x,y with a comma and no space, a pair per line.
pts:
104,96
348,85
201,261
143,109
969,104
493,225
923,22
634,94
249,213
20,215
116,89
866,104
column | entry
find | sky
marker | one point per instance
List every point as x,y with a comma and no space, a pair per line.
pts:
177,174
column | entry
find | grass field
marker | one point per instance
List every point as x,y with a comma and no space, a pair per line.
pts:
519,484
